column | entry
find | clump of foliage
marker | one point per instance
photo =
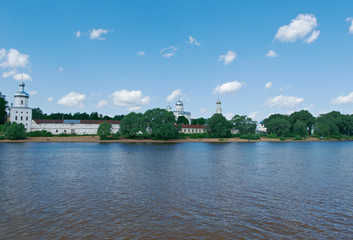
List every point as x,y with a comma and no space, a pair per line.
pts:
218,126
14,131
42,133
243,124
104,131
182,120
198,135
250,136
3,107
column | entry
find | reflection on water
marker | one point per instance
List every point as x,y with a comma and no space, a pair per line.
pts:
201,190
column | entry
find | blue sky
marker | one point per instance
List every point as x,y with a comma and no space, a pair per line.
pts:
116,57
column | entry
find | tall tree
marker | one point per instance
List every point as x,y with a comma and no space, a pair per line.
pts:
182,120
160,123
198,121
133,125
3,107
306,117
218,126
244,124
104,130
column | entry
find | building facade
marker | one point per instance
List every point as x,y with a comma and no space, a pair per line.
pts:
79,127
20,112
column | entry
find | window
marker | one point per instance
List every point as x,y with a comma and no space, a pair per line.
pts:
21,118
26,118
21,101
56,130
64,130
16,118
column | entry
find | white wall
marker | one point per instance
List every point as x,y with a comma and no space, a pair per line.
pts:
22,115
68,128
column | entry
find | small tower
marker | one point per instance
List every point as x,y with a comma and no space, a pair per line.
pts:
219,109
169,108
179,106
20,112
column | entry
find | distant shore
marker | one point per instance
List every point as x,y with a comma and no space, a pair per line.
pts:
127,140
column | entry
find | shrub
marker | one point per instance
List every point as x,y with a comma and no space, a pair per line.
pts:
16,131
2,137
271,136
250,136
298,138
42,133
116,136
282,139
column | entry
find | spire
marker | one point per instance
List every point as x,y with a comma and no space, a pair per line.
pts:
22,85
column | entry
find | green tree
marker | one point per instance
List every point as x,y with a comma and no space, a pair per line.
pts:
15,131
94,116
182,120
218,126
244,124
37,113
279,126
133,125
300,128
304,116
104,130
198,121
160,123
3,107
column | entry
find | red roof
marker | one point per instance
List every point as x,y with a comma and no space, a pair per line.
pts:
39,121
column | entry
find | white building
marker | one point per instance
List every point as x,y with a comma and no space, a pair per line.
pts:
80,127
179,111
20,112
192,129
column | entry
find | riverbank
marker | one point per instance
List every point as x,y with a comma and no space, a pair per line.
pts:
127,140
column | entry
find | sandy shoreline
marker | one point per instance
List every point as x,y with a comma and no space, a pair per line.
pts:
126,140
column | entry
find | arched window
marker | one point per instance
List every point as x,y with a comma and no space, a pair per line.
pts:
21,101
16,118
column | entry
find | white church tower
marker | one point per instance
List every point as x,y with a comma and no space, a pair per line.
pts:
219,109
20,112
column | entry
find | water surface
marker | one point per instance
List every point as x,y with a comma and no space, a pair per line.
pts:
178,191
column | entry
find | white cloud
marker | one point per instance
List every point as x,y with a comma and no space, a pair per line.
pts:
13,58
61,69
102,103
343,99
22,76
284,101
228,116
97,33
50,99
314,35
350,19
78,34
194,41
227,88
228,58
174,95
2,53
141,54
271,54
203,110
299,28
168,52
133,100
253,114
9,74
33,93
73,99
268,85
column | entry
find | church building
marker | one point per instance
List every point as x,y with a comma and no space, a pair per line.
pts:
179,111
20,112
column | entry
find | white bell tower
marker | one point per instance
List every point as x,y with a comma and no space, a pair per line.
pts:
20,112
219,109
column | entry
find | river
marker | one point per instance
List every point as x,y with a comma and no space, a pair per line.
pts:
298,190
